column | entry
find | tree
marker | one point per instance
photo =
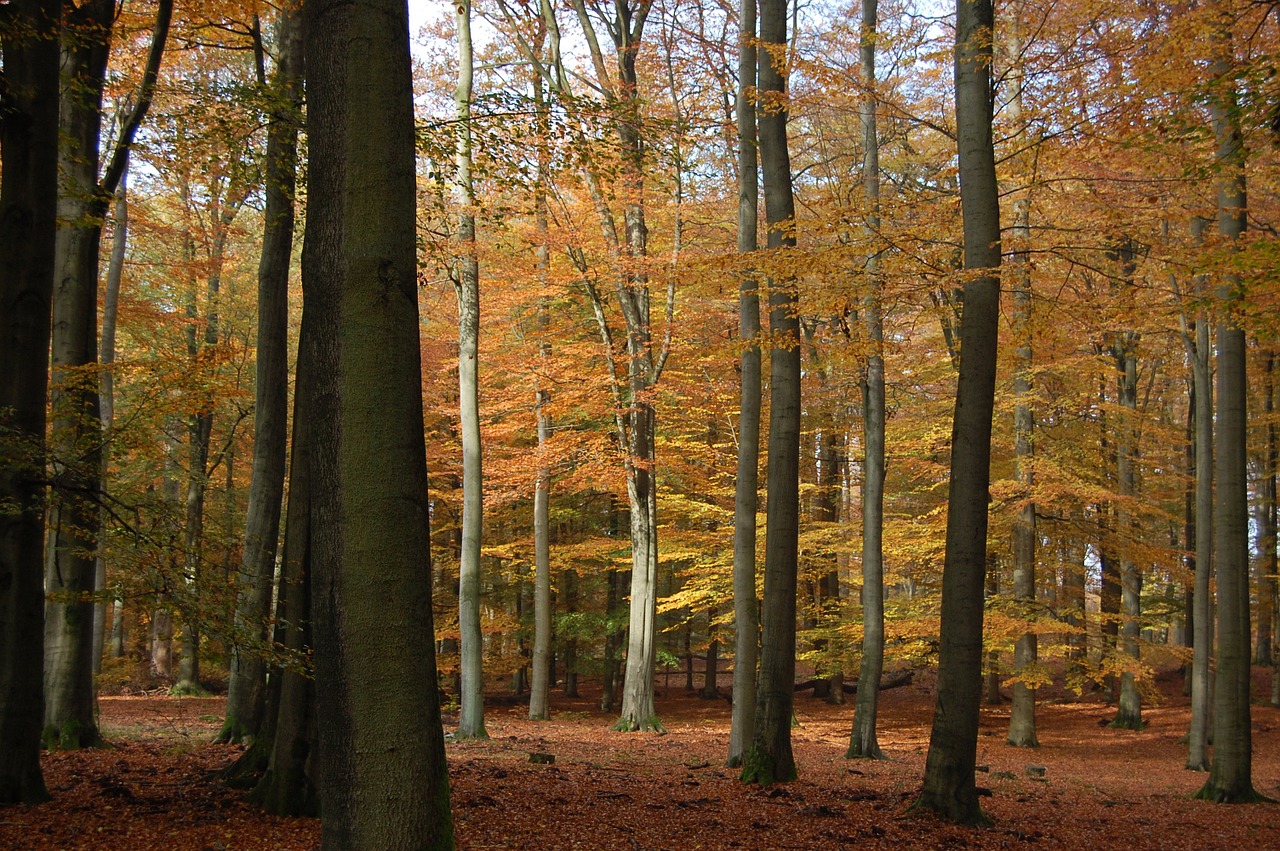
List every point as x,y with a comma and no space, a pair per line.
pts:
1230,775
76,432
949,787
28,213
540,686
746,604
246,687
770,758
369,511
862,742
466,276
1022,712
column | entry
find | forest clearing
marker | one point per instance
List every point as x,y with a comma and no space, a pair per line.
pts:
1101,787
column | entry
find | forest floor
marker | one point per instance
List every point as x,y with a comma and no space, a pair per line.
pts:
1100,788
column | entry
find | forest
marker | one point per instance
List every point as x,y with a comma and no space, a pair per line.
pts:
771,396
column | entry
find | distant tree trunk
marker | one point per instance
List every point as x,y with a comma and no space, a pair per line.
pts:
1022,714
949,787
746,605
1266,654
1124,351
863,741
371,576
288,784
709,673
1202,637
991,681
28,213
1267,567
609,677
1230,775
770,759
106,383
246,689
467,282
569,581
539,708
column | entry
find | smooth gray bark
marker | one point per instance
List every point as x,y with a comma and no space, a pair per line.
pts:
949,787
383,780
466,274
1231,773
746,604
770,758
863,741
247,685
1022,713
539,689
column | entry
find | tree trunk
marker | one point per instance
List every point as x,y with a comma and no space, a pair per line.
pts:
539,707
244,714
1022,714
949,787
1267,566
28,213
1230,775
370,511
1202,637
746,606
863,741
106,384
467,283
288,785
770,758
75,435
1267,497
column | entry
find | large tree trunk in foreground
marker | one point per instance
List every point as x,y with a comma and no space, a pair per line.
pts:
28,217
770,758
383,779
949,787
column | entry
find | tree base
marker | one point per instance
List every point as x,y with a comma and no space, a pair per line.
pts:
958,812
652,724
188,688
872,752
1221,795
72,736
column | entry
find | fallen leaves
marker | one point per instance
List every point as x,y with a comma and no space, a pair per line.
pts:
1086,787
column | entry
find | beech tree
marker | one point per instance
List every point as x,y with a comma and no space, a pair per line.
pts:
368,461
746,603
466,275
949,787
1230,774
246,698
770,758
76,434
28,211
862,742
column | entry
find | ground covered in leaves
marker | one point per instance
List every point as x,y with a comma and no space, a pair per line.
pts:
1087,787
